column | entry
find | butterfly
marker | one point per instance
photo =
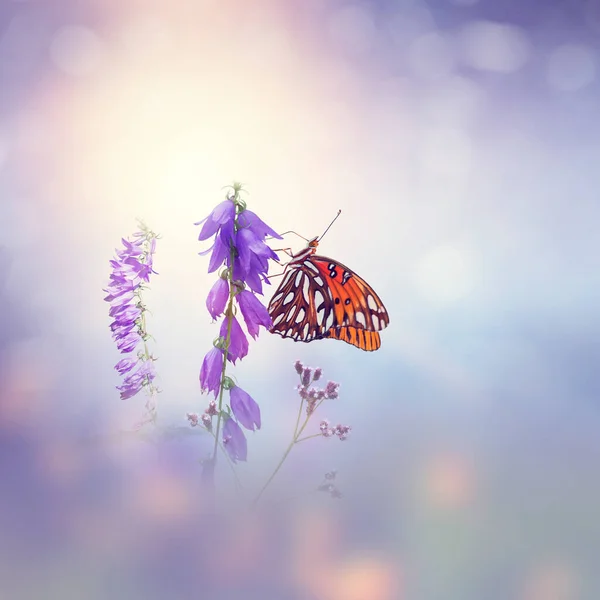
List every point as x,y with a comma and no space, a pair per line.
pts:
320,297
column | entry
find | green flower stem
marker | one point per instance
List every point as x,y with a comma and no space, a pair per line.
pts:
295,440
298,418
229,313
151,403
308,437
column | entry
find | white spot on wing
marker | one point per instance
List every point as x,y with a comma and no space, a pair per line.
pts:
360,318
299,277
329,321
306,290
318,280
305,330
319,299
375,320
300,315
288,298
371,302
278,318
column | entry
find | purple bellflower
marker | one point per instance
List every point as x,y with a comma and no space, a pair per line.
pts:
210,373
254,312
238,342
245,409
131,270
234,441
217,298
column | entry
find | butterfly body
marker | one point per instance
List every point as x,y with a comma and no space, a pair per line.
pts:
320,297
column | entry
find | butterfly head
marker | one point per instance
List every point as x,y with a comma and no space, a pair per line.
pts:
313,244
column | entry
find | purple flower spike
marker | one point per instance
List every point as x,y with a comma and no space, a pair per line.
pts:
234,441
131,268
331,390
306,376
254,312
210,373
245,409
238,342
193,418
238,243
217,298
219,217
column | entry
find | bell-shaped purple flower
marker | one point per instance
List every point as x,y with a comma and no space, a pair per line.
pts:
134,381
210,372
254,313
249,220
245,408
221,215
234,441
238,342
128,343
126,364
217,298
248,244
249,276
221,253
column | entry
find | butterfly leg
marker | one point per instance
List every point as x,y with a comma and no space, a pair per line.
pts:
288,251
276,275
284,265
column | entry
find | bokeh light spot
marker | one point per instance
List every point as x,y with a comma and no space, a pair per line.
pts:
570,68
446,152
431,57
494,47
353,29
76,50
591,12
457,101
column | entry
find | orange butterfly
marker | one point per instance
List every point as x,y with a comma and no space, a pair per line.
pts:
321,298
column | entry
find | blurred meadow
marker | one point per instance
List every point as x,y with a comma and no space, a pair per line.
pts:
461,139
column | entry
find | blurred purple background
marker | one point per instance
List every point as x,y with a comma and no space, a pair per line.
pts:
461,139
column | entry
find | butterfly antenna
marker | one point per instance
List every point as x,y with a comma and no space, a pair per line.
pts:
339,212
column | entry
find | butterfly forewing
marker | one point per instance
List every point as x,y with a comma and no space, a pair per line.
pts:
319,297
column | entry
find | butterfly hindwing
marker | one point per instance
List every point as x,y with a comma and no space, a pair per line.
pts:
293,308
361,338
320,297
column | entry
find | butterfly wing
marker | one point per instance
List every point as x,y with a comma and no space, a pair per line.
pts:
293,306
320,297
361,338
